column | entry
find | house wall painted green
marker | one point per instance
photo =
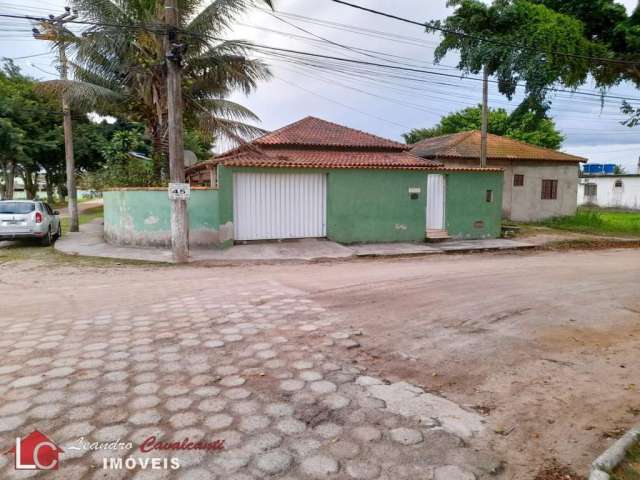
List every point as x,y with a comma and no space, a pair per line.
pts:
375,205
142,217
467,211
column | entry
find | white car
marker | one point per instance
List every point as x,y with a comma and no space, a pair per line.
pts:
29,219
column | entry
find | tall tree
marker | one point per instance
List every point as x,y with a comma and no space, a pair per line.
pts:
525,126
122,57
541,43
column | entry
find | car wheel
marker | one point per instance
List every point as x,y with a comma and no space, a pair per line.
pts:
59,232
48,238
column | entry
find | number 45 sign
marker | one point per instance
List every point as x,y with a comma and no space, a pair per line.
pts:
179,191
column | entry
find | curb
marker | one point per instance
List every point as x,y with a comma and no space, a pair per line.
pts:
612,456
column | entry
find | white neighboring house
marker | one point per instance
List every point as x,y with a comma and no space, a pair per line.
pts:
610,191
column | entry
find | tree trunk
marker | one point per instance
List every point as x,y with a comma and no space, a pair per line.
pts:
160,153
49,184
9,175
30,187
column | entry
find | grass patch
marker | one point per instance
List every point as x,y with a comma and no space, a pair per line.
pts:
599,222
629,469
85,217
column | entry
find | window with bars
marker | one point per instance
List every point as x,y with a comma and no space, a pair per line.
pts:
489,196
518,180
591,190
549,189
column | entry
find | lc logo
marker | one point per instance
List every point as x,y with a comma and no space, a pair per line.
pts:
36,452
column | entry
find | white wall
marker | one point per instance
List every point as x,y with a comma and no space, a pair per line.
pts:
609,195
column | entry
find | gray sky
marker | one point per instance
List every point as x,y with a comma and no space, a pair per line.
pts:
387,109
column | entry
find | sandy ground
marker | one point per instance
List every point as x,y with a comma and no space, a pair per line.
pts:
546,344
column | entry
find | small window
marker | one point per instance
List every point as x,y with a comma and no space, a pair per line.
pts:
549,190
618,184
489,196
590,190
518,180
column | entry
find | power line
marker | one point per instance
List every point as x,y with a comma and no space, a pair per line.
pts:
162,31
482,39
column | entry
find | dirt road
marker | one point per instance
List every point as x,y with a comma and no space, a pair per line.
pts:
545,344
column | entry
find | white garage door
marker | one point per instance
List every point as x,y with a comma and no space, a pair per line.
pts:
279,205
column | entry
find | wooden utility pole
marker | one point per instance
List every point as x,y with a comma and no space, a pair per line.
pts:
54,30
485,118
174,51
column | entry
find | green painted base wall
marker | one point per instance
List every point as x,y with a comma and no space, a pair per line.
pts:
143,218
468,214
376,206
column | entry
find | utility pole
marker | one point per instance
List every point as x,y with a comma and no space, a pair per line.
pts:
174,50
485,118
54,30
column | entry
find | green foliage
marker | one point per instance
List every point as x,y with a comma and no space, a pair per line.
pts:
543,43
122,165
526,126
198,143
599,221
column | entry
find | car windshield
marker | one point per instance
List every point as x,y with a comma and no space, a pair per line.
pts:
16,207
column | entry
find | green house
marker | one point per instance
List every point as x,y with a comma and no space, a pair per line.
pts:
316,179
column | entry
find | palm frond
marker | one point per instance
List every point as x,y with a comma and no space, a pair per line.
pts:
81,95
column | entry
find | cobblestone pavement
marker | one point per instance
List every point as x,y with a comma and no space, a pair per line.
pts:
265,370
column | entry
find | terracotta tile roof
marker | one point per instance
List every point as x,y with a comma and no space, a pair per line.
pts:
311,131
329,159
466,145
314,143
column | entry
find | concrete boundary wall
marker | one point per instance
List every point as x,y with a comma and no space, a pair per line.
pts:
142,217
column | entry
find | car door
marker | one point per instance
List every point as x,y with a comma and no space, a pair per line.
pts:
54,220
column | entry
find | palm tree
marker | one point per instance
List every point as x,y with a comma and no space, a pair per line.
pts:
119,66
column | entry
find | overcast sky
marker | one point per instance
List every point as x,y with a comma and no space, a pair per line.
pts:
387,109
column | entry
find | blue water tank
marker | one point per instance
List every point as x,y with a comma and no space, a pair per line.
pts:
593,168
609,169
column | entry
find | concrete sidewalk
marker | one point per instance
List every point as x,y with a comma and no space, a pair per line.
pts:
90,242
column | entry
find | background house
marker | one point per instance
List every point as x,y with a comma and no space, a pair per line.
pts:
316,179
539,183
606,189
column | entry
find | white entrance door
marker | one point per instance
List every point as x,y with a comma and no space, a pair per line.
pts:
269,206
435,202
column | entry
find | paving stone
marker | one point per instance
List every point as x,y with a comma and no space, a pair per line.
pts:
212,405
310,376
263,442
335,401
178,403
279,409
362,470
452,472
232,381
366,381
344,449
248,407
145,418
275,461
406,436
305,446
291,426
302,365
253,423
184,419
366,434
232,460
328,430
219,422
291,385
237,393
323,386
319,466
